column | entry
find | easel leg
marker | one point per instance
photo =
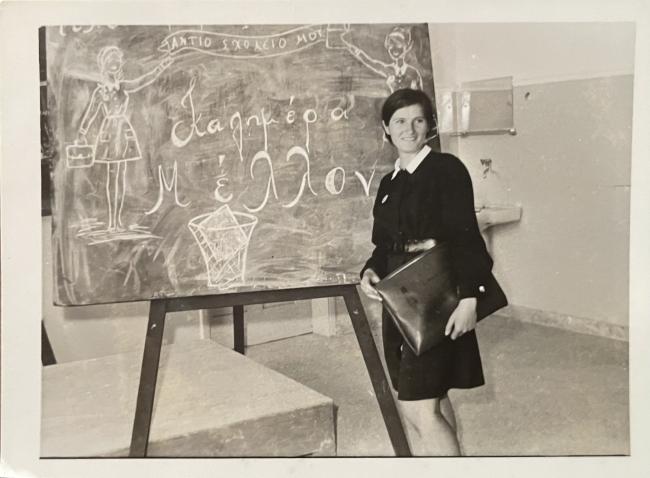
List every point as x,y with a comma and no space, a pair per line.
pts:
376,371
148,376
240,330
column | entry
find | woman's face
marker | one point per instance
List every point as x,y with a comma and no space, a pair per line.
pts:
408,128
113,64
396,47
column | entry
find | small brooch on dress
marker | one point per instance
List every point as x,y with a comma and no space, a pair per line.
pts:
385,198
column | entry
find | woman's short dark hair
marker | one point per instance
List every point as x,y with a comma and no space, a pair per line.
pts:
407,97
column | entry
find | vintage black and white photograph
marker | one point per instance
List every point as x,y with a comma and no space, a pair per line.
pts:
307,237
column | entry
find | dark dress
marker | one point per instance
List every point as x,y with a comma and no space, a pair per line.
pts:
435,201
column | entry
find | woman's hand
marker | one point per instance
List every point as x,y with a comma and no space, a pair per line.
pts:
164,63
420,246
463,318
370,278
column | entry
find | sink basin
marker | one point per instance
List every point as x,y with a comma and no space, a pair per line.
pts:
488,216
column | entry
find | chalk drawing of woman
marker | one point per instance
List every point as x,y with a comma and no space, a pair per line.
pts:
398,73
116,143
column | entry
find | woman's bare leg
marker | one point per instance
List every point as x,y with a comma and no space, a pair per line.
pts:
427,431
110,184
120,179
447,411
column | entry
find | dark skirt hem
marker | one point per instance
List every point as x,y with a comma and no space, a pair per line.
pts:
433,394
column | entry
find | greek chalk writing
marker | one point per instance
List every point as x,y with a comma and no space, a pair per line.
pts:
184,130
309,116
245,46
213,125
222,182
365,184
187,99
330,180
270,183
264,121
309,37
291,114
237,134
167,186
346,103
297,150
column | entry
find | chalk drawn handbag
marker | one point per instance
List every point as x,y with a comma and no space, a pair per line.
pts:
421,295
80,155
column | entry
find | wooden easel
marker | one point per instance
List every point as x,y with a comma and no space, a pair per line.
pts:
153,343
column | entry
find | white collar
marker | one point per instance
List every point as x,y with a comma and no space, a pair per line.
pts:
414,163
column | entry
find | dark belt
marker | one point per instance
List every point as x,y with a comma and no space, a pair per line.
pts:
411,245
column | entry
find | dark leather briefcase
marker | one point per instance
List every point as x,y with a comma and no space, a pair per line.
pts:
421,294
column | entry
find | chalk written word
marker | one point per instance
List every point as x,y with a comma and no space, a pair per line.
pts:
184,130
212,126
305,179
195,125
251,46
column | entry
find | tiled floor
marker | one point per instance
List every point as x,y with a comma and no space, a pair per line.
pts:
549,391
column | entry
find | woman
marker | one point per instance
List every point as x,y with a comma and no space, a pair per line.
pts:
427,199
398,73
116,142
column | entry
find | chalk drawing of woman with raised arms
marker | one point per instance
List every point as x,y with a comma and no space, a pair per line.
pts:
398,73
117,142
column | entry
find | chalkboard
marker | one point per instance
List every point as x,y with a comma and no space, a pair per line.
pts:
194,160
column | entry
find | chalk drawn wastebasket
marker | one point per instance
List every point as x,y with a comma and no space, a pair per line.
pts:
223,237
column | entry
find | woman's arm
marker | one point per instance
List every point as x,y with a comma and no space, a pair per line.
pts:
91,112
148,78
374,269
470,258
377,66
376,265
378,259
